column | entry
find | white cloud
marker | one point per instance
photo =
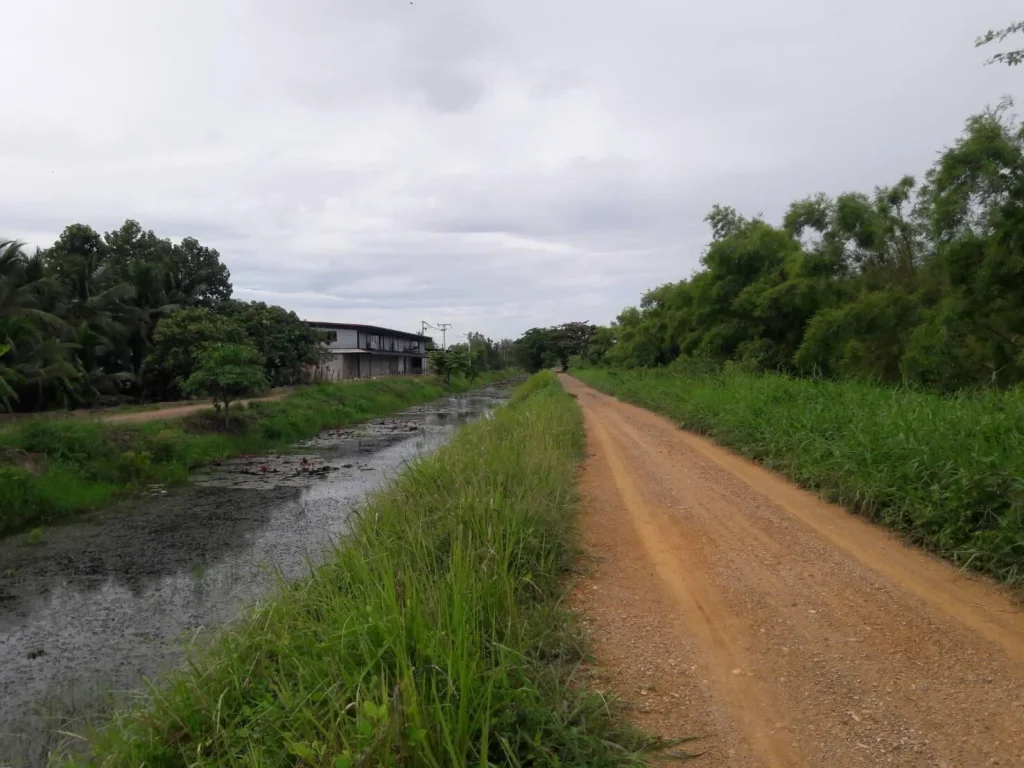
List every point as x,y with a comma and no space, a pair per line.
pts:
495,165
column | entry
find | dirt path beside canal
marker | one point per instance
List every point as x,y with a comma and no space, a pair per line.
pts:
725,602
180,410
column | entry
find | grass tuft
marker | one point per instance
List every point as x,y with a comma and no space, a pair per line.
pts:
946,471
432,637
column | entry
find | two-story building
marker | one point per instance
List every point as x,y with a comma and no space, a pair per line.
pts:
363,351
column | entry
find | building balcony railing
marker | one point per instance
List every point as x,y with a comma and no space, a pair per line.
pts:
373,346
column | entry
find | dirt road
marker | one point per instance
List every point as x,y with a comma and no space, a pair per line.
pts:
179,410
155,412
724,602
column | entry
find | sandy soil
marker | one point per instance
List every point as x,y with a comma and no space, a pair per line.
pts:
726,603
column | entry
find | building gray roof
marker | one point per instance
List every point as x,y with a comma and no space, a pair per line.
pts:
369,329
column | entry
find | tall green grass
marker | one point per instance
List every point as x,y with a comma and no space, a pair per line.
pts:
51,467
947,472
432,637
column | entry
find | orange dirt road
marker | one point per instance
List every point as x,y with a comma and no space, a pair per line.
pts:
726,603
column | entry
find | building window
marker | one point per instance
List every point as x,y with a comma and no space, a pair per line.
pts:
330,336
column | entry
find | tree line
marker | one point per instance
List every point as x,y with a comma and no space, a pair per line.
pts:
105,319
469,359
919,283
547,347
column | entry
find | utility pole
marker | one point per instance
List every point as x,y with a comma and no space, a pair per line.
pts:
442,327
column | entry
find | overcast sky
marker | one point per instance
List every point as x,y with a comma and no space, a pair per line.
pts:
496,164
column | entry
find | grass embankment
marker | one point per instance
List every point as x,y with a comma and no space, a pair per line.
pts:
432,637
948,472
51,468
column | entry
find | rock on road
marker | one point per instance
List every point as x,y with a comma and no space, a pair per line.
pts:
726,603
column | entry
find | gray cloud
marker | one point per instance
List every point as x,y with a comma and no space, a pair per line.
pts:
495,165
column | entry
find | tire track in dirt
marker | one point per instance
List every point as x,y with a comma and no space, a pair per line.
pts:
725,601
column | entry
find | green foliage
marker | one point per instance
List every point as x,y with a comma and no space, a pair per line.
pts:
447,363
923,285
543,347
1010,58
432,637
485,354
78,318
7,392
79,464
569,340
101,319
533,350
600,343
286,344
227,371
459,361
947,472
177,342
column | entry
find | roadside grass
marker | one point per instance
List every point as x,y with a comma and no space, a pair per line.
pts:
433,635
53,468
945,471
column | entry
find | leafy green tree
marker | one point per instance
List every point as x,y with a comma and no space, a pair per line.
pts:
79,262
864,339
471,368
489,355
176,342
286,343
79,317
504,355
600,342
568,340
923,284
543,347
38,366
1010,58
165,277
226,371
534,350
973,206
451,362
197,272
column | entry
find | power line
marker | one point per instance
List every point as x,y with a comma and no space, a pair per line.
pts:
442,327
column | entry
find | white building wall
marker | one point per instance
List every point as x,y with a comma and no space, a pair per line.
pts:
353,365
332,370
346,339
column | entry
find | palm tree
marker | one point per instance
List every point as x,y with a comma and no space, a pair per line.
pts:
23,324
35,357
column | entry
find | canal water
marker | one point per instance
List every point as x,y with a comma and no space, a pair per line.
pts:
104,603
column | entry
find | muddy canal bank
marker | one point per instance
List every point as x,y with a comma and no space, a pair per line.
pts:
106,601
